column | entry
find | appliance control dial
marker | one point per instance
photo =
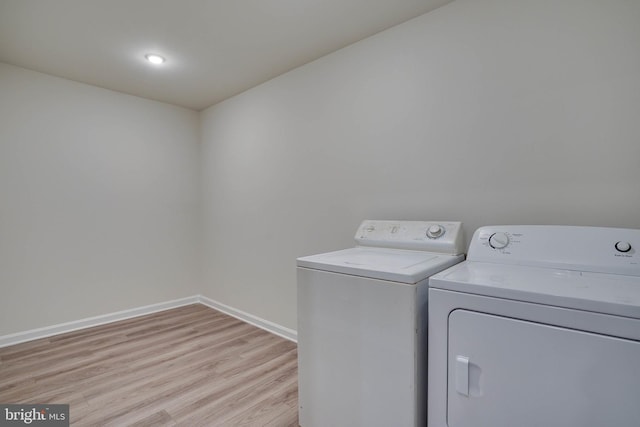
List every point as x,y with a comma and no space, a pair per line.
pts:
498,240
623,246
435,231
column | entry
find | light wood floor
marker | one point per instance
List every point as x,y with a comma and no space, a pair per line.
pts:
190,366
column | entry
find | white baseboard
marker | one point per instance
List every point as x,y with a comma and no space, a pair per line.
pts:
34,334
268,326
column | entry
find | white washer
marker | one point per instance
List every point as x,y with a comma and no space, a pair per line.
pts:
539,327
361,324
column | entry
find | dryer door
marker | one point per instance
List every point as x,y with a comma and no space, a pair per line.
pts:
507,372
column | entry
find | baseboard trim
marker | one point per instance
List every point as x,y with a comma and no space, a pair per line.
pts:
34,334
268,326
61,328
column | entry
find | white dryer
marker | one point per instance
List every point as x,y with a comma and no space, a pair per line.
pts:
362,324
539,327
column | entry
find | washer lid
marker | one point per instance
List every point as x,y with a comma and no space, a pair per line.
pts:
396,265
597,292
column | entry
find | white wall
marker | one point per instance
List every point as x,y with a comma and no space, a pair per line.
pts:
99,206
484,111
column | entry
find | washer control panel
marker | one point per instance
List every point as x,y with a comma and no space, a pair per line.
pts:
594,249
432,236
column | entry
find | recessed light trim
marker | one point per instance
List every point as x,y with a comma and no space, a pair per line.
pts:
154,58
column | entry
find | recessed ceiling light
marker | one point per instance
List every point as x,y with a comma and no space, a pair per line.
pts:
154,59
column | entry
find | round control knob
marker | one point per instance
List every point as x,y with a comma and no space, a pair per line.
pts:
623,246
435,231
498,240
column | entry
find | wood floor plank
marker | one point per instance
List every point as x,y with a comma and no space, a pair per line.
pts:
187,366
161,393
269,406
144,357
214,410
158,419
147,390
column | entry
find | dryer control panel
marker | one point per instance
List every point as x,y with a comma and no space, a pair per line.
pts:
593,249
432,236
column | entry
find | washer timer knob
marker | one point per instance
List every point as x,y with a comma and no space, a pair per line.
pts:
435,231
499,240
623,246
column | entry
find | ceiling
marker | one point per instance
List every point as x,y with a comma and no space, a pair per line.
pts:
214,48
